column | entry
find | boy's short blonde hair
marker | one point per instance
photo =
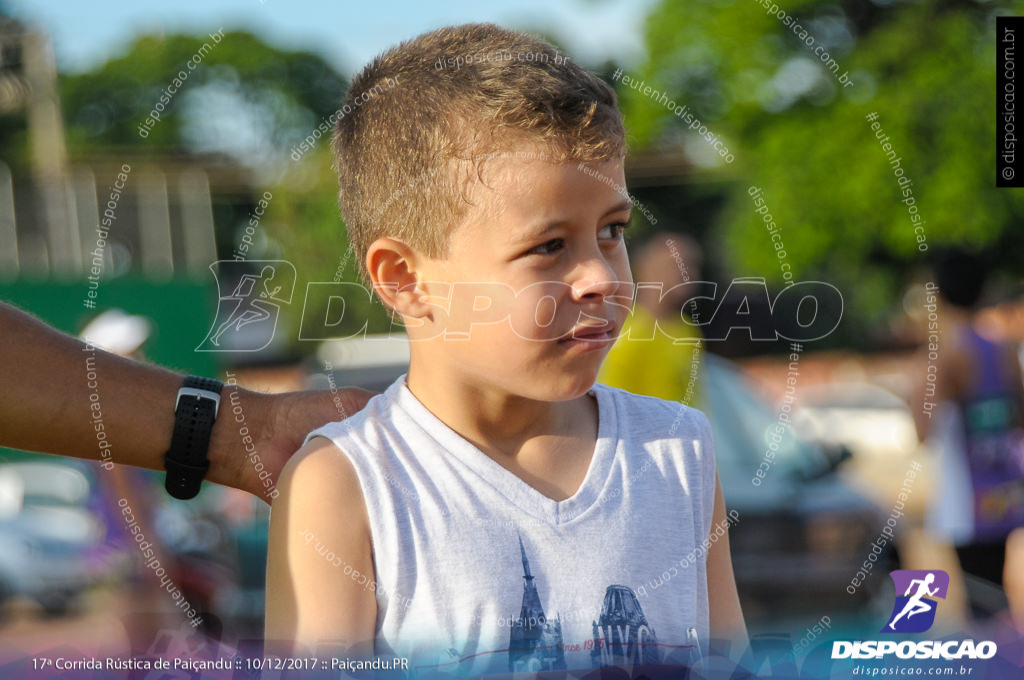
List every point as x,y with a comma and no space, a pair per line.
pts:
416,116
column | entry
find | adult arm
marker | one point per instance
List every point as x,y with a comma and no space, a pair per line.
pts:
47,392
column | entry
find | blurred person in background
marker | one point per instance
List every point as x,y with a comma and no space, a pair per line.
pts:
658,354
973,421
1003,321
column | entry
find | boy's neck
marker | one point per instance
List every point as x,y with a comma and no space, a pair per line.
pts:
494,419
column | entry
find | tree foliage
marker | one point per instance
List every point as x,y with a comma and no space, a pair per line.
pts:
926,68
261,93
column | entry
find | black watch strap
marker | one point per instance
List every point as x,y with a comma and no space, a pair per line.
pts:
195,411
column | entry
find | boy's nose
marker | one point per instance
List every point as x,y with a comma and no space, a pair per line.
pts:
596,279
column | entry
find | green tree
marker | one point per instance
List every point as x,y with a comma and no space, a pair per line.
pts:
926,68
272,96
254,103
303,220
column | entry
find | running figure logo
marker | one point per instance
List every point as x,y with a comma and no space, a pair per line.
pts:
247,315
914,611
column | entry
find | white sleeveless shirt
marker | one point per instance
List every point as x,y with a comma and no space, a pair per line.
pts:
478,572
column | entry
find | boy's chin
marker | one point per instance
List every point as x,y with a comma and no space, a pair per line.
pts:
560,387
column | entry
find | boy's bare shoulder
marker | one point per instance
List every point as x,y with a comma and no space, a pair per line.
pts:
307,600
321,470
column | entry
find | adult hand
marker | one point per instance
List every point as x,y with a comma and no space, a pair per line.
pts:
277,425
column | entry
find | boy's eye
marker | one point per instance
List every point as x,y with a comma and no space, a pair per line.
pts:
547,248
613,231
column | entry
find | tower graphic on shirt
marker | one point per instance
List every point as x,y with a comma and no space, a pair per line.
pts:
535,642
622,634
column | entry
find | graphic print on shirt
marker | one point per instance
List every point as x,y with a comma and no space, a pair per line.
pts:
535,643
622,634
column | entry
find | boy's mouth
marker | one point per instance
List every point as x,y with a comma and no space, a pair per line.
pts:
591,336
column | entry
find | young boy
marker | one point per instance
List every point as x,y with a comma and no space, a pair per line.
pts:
496,510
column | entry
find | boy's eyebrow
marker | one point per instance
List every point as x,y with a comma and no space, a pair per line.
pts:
542,229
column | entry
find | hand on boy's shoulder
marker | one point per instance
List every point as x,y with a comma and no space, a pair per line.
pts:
281,422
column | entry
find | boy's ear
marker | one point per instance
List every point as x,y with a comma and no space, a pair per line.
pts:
393,270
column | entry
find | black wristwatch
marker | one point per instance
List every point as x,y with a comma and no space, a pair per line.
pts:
195,411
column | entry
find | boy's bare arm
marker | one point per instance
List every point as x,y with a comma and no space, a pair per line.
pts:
318,526
726,616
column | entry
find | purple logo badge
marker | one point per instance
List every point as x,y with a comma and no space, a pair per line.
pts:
916,590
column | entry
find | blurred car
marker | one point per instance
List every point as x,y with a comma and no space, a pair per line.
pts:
47,536
876,426
868,419
804,530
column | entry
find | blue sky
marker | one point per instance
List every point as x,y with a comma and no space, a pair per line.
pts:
346,32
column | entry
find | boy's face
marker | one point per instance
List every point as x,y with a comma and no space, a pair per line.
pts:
536,284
